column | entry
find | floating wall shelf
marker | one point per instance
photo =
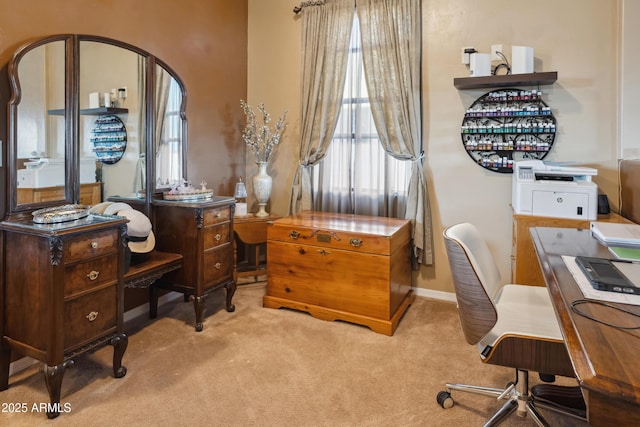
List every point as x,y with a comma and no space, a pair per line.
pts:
93,111
530,79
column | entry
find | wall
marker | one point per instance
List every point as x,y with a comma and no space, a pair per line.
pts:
576,38
629,87
203,41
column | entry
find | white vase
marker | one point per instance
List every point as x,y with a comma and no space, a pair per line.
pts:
262,188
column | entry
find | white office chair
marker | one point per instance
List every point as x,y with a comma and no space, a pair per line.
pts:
511,325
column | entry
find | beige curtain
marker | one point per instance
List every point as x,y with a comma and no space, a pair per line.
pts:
325,40
391,49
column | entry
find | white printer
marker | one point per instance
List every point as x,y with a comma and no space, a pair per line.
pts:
544,189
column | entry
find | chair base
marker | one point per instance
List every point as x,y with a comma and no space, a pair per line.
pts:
518,400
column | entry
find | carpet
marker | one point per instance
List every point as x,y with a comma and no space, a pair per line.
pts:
265,367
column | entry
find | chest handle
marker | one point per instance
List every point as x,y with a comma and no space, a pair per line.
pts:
355,242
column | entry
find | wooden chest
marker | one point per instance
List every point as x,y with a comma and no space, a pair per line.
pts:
341,267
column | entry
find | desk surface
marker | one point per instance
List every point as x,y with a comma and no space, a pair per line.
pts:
604,358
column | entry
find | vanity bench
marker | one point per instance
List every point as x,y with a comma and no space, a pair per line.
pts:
147,272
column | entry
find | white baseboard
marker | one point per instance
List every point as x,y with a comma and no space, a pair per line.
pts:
144,308
26,362
430,293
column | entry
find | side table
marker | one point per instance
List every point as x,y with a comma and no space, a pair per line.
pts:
252,231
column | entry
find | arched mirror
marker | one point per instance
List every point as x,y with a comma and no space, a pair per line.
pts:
86,115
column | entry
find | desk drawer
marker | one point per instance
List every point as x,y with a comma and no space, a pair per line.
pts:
91,274
217,215
89,245
216,235
218,264
89,317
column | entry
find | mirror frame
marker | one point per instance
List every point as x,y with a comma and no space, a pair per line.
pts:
72,119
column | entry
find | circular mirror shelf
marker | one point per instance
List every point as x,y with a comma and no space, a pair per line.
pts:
508,125
109,139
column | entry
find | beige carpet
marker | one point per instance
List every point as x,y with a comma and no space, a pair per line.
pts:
265,367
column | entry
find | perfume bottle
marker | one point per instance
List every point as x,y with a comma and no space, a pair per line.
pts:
241,198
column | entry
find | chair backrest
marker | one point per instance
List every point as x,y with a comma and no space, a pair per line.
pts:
476,279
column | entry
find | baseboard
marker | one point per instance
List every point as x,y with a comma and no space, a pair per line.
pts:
430,293
26,362
144,308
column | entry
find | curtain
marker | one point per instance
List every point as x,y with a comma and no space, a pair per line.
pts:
325,39
163,82
168,129
357,175
140,181
391,47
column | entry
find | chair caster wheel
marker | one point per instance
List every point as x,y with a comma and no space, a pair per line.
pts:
547,378
444,399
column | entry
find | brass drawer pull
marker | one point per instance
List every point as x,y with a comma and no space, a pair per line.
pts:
355,242
217,265
92,316
294,234
94,245
217,237
93,275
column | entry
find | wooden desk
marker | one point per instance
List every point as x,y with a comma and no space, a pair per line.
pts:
524,267
604,358
251,230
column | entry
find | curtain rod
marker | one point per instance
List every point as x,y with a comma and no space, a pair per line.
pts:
298,9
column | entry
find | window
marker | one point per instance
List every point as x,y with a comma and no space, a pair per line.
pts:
169,155
357,175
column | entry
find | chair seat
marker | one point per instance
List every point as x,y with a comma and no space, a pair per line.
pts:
525,311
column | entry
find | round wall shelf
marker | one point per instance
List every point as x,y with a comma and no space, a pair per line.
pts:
508,125
109,139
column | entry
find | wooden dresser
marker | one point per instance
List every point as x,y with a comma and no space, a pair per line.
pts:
341,267
525,269
63,294
202,232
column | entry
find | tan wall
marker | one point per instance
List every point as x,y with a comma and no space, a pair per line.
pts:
203,41
577,38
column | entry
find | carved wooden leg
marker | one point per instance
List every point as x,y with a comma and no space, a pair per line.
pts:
198,305
5,363
53,379
231,289
119,344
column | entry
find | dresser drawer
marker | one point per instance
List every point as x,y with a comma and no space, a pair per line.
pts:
84,276
89,245
217,215
348,281
218,265
90,316
216,235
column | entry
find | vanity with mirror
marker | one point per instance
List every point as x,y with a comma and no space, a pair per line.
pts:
92,119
